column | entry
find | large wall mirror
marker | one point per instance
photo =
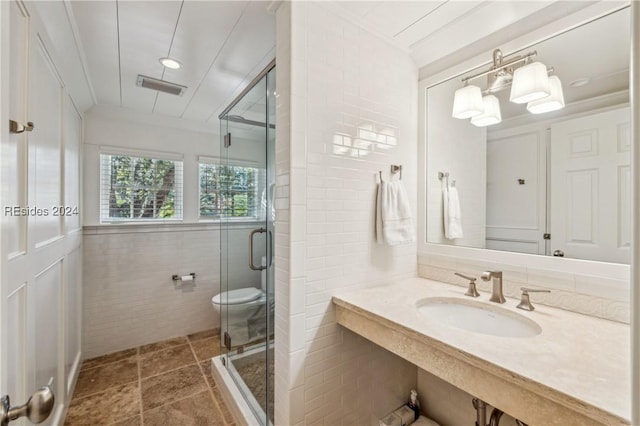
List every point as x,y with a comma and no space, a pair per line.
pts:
549,176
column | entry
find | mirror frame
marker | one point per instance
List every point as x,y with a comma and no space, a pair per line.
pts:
634,87
545,32
629,273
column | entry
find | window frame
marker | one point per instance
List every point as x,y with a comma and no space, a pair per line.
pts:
103,207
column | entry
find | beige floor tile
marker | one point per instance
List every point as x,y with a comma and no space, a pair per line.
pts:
158,362
131,421
165,344
205,366
197,410
207,348
101,378
104,408
106,359
206,334
222,405
168,387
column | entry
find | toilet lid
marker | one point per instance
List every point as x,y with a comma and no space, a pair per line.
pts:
235,297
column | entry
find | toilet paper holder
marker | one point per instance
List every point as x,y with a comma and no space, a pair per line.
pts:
179,278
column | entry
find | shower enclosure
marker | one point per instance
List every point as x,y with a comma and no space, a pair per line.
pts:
247,181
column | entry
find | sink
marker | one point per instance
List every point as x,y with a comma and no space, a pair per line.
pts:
477,317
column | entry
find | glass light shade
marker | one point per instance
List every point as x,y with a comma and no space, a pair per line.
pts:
530,83
491,114
467,102
552,102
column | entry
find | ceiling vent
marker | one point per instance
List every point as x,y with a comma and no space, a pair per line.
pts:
160,85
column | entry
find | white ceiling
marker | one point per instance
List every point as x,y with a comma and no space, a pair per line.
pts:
222,45
432,29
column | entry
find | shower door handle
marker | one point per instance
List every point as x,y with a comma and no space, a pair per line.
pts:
251,265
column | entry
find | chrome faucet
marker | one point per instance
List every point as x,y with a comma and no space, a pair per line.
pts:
471,291
496,291
525,302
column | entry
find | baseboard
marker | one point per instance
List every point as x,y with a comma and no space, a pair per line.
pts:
61,414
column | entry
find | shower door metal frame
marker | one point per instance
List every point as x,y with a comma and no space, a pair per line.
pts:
266,228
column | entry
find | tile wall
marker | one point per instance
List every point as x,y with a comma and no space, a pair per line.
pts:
347,108
129,296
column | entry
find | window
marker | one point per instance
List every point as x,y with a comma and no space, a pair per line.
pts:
229,191
140,188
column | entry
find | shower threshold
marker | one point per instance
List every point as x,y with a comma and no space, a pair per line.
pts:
234,391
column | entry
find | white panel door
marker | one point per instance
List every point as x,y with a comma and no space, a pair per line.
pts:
590,194
516,191
17,375
35,267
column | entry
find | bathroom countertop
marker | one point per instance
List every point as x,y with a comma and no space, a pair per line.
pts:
577,362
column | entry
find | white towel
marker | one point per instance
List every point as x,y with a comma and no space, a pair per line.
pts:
393,214
452,214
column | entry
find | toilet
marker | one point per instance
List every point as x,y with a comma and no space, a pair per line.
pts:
241,306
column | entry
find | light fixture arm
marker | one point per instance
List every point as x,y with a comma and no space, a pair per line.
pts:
490,90
497,57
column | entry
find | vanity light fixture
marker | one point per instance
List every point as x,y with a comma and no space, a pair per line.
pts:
467,102
553,102
529,83
170,63
491,114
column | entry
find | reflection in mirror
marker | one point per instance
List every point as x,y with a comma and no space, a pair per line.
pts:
536,177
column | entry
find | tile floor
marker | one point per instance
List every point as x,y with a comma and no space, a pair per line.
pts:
165,383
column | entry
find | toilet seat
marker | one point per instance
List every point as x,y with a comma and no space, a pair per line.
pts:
237,296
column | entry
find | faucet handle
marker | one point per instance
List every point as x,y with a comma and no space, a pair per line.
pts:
525,302
471,291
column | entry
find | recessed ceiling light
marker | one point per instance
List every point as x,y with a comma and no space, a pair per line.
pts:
170,63
580,82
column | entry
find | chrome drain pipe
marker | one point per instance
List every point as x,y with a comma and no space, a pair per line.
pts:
481,411
496,414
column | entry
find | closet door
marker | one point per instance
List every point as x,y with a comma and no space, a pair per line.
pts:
17,345
39,280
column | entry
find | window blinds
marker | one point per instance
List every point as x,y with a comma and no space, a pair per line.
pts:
231,191
136,188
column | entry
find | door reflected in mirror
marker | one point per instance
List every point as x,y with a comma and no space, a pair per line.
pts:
548,177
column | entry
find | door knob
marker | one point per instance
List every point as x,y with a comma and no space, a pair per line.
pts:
37,409
15,127
558,253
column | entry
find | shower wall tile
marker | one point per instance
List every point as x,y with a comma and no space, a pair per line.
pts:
348,111
129,296
286,299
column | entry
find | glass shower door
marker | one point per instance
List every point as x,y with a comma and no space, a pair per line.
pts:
246,178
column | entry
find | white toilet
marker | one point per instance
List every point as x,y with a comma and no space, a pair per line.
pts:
241,305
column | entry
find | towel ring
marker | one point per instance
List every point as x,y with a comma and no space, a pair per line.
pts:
445,176
395,168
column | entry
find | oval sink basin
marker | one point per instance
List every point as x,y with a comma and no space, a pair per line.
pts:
477,317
